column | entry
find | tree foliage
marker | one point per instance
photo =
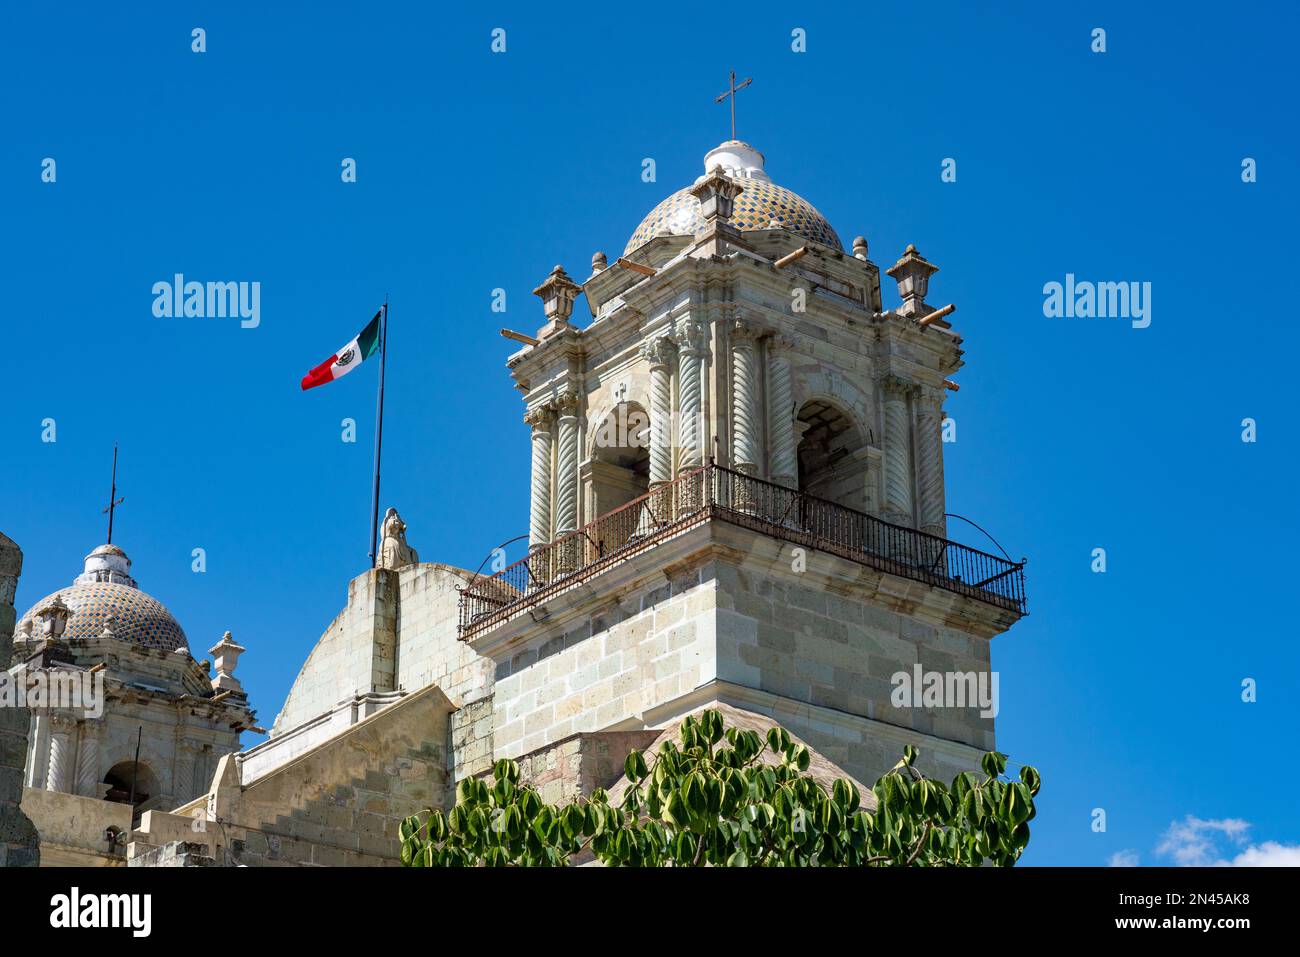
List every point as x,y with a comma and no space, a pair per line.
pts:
714,800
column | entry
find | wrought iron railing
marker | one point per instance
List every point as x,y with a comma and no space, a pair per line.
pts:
714,492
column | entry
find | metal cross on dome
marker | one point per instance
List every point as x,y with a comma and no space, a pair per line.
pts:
113,500
731,93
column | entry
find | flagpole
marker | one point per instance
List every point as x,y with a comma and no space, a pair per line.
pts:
379,436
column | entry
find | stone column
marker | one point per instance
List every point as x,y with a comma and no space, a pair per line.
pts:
660,352
746,412
566,481
88,759
542,420
898,451
59,775
929,462
691,355
780,414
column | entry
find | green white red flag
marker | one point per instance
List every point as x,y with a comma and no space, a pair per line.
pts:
365,345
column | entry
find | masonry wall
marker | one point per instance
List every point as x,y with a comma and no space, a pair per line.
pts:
793,636
638,653
398,631
339,804
19,844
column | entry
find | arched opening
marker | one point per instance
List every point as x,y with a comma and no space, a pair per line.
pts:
620,470
832,460
119,780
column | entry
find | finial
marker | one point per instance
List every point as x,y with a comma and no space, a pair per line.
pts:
860,247
53,618
110,630
226,656
912,273
113,500
732,89
598,261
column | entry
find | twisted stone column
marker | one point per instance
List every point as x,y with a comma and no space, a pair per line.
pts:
929,462
898,451
58,775
780,414
691,355
88,760
539,515
566,480
745,415
659,352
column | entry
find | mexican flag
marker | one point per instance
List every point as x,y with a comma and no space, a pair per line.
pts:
365,345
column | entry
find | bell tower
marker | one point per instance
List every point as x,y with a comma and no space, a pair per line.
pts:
737,491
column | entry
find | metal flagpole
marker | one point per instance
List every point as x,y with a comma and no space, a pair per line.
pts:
379,436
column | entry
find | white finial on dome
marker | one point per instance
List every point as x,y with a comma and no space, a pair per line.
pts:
739,160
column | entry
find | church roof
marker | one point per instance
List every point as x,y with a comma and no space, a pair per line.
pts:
105,594
761,205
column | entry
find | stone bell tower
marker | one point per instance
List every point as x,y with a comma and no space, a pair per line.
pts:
737,491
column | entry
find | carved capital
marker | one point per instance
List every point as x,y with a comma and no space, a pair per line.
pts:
691,334
566,403
659,350
744,332
896,387
540,417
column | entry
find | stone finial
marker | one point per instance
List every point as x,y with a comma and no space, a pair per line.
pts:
110,627
557,293
598,262
52,619
860,247
912,273
394,553
717,194
226,656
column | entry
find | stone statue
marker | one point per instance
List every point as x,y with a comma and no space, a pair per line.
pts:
394,553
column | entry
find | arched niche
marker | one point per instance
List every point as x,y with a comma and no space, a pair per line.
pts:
619,467
119,780
834,463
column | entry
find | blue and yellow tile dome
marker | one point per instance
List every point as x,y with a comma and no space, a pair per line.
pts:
106,590
761,205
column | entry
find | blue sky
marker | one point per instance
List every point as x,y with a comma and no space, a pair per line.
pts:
478,171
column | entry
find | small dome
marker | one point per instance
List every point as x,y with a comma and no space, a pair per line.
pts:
104,591
761,205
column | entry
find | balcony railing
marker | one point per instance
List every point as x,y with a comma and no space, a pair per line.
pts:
713,492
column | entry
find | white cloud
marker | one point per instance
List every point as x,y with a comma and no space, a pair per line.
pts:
1194,842
1125,858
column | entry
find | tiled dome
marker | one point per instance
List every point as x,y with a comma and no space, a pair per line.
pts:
761,205
106,589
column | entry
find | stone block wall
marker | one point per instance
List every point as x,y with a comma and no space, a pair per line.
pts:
641,652
790,635
19,842
576,766
339,804
398,631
